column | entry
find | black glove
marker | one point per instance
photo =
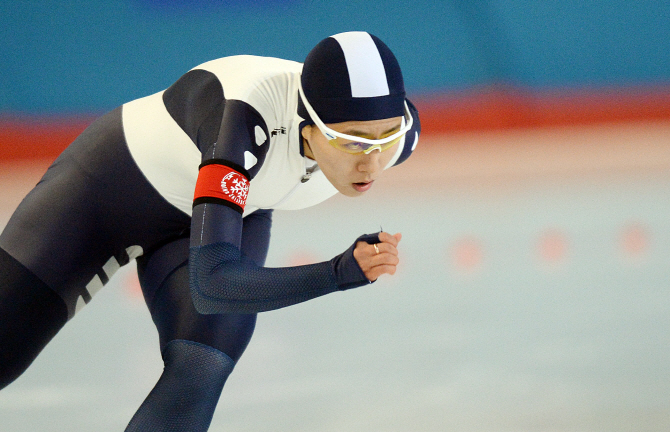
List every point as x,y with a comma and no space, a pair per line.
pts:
346,269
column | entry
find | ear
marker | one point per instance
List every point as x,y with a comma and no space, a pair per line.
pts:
306,132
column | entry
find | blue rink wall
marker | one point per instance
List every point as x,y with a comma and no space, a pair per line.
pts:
65,57
532,296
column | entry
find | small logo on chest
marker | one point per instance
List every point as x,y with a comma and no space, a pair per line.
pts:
277,131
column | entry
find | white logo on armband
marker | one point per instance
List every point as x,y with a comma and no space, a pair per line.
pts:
236,187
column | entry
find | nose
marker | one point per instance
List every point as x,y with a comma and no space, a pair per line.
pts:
370,163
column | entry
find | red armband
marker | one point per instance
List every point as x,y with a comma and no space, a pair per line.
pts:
222,184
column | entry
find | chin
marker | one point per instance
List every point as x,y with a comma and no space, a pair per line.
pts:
350,192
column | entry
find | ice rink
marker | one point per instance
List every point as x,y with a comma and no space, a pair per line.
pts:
533,295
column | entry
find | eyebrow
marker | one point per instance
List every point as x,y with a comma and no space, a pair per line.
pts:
363,134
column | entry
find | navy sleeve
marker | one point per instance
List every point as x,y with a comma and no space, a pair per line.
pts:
222,279
195,102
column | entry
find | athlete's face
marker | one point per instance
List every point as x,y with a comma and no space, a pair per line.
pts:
351,174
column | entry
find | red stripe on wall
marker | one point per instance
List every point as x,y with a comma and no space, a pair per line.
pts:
26,137
32,137
501,108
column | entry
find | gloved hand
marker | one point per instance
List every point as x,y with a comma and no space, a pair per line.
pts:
371,256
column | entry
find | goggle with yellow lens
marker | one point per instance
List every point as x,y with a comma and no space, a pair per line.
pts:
354,144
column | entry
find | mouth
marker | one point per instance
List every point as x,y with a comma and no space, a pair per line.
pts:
363,186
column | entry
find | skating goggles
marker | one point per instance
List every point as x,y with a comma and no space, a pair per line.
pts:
354,144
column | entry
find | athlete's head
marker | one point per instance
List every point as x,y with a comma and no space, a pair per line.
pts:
353,96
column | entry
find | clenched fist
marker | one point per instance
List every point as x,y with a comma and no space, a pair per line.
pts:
380,258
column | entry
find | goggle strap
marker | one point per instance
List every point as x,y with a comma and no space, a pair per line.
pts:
328,132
